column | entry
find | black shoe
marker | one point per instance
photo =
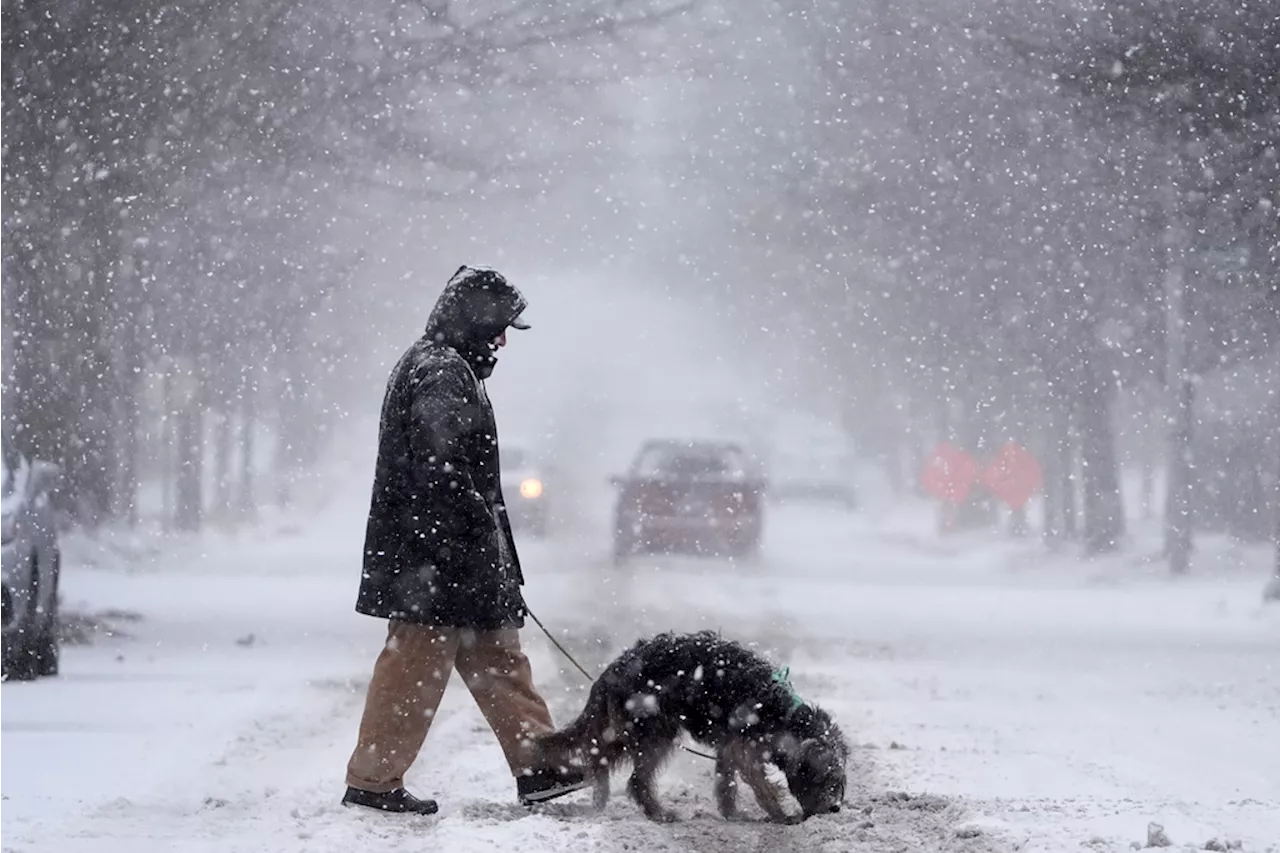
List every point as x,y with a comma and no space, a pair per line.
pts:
542,785
398,800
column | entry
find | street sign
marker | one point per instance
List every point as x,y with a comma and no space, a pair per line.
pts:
1013,476
949,474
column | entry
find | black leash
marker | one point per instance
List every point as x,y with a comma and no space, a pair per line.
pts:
588,675
556,643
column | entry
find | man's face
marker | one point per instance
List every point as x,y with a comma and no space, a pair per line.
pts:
501,340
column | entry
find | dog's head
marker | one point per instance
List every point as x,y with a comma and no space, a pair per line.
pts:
815,763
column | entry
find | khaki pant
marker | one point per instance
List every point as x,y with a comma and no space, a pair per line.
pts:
408,683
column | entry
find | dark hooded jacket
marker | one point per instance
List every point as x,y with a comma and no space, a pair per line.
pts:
438,546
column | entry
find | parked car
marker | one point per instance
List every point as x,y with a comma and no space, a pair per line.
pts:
689,496
816,465
527,483
30,567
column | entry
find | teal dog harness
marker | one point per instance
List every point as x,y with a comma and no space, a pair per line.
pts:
783,677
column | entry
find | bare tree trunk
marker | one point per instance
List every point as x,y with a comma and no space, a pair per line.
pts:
1271,487
1272,448
8,351
1271,592
1178,516
1062,454
1148,486
98,383
126,506
1148,442
127,365
1059,500
918,445
167,450
1067,471
1103,504
246,503
35,410
91,470
189,511
39,410
128,335
943,414
1052,521
223,442
284,452
1178,513
296,428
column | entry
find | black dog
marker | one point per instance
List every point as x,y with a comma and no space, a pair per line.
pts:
726,697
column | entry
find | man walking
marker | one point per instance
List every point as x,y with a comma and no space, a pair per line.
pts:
440,562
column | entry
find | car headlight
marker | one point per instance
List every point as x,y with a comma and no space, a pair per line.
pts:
531,488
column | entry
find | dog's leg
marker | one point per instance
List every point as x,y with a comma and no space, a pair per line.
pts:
604,762
766,791
612,750
649,757
726,782
600,791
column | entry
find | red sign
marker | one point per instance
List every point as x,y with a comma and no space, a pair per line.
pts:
1013,475
949,474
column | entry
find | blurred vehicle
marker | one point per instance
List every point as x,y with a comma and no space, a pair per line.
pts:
30,567
701,497
814,464
526,485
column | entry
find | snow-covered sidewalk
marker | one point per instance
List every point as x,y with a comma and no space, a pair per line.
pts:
1022,702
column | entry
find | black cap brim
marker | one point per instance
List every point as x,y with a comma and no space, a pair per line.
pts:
518,323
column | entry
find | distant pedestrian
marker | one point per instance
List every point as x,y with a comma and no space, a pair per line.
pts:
440,561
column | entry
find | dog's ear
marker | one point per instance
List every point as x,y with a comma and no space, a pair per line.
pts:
792,753
810,721
804,717
813,750
814,759
783,751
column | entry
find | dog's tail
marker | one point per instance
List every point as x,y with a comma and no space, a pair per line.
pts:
577,737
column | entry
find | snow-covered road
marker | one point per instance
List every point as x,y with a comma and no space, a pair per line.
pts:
1023,703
